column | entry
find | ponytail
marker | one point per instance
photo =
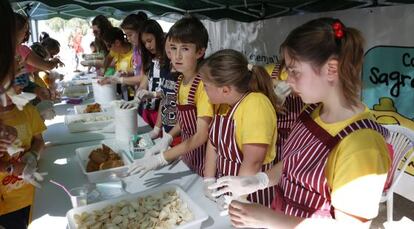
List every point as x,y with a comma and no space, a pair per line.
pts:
260,81
230,67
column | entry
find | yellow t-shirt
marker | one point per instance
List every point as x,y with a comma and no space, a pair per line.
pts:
204,107
269,69
39,81
255,121
123,61
357,167
17,194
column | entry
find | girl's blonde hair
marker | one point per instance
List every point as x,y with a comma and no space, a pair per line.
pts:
318,40
230,68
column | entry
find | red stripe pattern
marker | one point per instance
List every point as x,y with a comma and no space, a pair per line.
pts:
229,158
303,190
187,116
293,106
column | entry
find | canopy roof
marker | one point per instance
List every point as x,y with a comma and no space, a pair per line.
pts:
239,10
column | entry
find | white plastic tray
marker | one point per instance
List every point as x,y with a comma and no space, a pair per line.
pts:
79,109
198,214
75,91
71,121
82,155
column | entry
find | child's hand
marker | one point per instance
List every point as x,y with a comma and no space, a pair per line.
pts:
8,135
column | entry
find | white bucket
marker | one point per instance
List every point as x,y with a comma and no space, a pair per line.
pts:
126,124
103,94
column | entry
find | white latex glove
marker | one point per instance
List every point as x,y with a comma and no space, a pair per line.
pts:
144,94
282,90
45,108
145,165
15,147
161,146
20,100
240,185
154,133
223,203
207,181
31,175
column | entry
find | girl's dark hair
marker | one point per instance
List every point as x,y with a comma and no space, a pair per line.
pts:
7,43
104,25
50,44
43,35
152,27
230,67
114,34
21,21
39,49
316,42
134,21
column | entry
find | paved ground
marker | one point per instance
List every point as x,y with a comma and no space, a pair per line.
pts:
402,207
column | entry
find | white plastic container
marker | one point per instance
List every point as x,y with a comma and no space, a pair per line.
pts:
75,91
103,94
126,124
199,216
82,155
88,122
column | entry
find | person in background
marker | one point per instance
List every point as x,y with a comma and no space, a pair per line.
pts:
242,137
77,47
43,35
20,176
188,42
335,160
121,55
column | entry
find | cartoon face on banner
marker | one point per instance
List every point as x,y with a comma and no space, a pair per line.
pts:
388,77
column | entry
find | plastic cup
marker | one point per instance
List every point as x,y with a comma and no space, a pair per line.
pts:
78,196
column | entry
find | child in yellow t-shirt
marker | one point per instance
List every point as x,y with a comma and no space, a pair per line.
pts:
335,160
188,41
242,139
16,192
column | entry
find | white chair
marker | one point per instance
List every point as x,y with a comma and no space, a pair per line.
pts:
402,140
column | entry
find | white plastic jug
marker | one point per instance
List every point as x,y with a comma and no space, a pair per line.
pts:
103,94
126,124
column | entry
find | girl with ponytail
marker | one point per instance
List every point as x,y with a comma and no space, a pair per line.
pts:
242,135
335,160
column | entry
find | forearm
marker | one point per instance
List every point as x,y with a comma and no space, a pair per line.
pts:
158,123
250,168
132,80
186,146
274,173
38,144
37,62
210,163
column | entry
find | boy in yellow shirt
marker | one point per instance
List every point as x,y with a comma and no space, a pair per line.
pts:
16,189
188,41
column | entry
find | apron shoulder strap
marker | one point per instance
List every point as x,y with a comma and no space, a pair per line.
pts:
234,108
363,124
193,89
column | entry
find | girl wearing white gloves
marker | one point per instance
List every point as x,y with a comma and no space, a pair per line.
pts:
335,160
243,132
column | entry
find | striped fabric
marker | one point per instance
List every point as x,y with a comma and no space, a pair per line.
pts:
293,106
229,156
187,116
303,190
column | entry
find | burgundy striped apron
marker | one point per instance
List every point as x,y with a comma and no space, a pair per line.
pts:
302,190
187,116
293,105
229,156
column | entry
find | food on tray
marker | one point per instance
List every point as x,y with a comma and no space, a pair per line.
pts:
103,158
93,108
97,118
163,210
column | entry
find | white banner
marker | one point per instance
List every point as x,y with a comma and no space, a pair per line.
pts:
389,63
